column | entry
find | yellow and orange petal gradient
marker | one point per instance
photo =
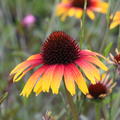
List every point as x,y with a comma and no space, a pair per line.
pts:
115,20
76,7
60,58
101,88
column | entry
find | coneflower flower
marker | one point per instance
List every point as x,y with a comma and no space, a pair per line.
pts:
115,60
101,88
115,20
60,56
76,8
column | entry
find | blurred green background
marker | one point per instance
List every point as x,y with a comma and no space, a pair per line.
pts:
17,43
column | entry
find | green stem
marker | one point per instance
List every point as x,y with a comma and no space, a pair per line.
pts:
72,105
105,39
110,110
111,96
118,44
2,98
52,19
97,110
82,35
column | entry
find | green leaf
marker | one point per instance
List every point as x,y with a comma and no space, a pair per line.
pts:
3,97
108,48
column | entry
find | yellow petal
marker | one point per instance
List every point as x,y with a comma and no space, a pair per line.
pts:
57,77
91,14
114,24
69,80
79,79
32,81
79,13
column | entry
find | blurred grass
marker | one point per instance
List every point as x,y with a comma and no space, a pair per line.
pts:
16,46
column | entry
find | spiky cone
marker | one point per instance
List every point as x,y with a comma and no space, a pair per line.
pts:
101,88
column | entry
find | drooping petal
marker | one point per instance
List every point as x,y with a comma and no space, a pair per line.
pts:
87,53
20,74
90,53
22,66
78,13
32,81
79,79
95,61
90,71
45,80
61,10
101,7
36,56
114,24
71,12
91,14
57,77
69,79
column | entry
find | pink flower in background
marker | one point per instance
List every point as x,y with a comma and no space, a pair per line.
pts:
28,20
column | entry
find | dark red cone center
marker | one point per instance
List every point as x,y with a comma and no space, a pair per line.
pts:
117,58
80,3
60,48
97,89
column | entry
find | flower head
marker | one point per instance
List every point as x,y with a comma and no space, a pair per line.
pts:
115,20
101,88
115,60
28,20
60,57
76,7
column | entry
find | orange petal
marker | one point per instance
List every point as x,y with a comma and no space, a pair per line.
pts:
78,13
36,56
69,80
90,71
20,74
90,53
95,61
114,24
57,77
87,53
71,12
45,80
101,7
24,65
79,79
32,81
61,9
91,14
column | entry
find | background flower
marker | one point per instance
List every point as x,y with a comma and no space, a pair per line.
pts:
76,7
101,88
115,20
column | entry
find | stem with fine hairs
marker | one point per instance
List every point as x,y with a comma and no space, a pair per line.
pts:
72,105
97,110
82,24
105,39
118,44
